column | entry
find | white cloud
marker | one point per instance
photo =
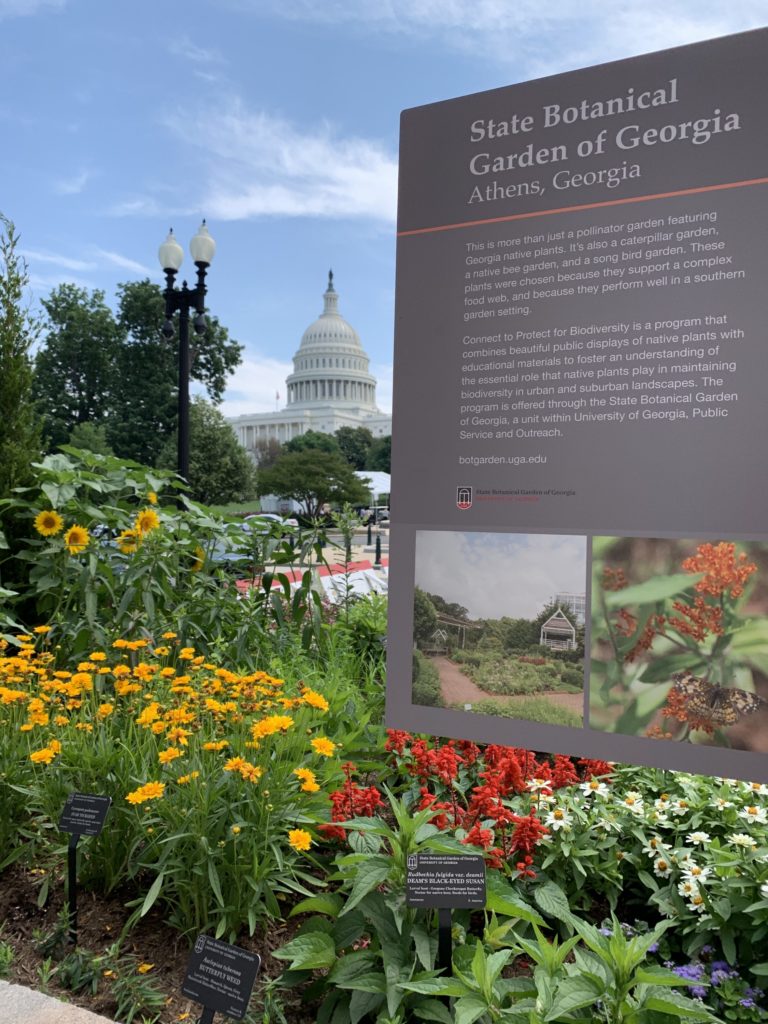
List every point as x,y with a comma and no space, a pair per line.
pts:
123,262
17,8
33,256
532,36
72,186
497,574
261,165
253,386
184,47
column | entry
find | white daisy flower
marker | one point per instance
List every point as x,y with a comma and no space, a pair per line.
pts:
594,788
633,801
654,846
696,873
698,838
742,839
756,788
679,808
688,889
697,903
558,819
721,804
662,867
538,784
754,814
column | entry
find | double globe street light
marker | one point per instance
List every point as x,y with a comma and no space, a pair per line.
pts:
171,255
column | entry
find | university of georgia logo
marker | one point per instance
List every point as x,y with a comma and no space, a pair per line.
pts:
463,498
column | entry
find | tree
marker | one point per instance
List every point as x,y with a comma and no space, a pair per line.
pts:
75,368
424,617
354,444
119,370
452,608
315,440
220,470
314,478
266,451
146,405
20,426
91,437
380,455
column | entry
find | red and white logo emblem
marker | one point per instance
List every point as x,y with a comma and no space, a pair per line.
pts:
463,498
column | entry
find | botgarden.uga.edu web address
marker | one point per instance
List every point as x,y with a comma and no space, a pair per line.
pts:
502,460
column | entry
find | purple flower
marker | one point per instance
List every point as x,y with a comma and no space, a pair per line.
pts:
749,1004
697,991
653,948
692,972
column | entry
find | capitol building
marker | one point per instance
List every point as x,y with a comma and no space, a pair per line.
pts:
330,386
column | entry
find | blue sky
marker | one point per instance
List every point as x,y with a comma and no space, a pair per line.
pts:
277,120
497,574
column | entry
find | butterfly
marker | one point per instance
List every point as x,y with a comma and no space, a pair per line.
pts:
720,705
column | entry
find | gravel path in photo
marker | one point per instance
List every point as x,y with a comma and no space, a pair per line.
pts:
458,688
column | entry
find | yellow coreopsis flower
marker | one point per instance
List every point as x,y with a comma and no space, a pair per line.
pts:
76,539
48,523
299,839
308,780
151,497
44,756
166,756
149,791
314,699
105,710
323,746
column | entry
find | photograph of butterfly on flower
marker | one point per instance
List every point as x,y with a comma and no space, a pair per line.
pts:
679,642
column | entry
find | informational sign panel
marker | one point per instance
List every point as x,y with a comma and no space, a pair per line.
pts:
220,976
448,881
84,814
580,497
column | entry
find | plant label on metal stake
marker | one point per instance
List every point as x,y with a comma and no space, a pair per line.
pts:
83,815
445,882
220,977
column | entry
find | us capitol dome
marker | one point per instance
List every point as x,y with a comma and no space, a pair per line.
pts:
330,387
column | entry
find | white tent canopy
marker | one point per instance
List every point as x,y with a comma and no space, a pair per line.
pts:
380,483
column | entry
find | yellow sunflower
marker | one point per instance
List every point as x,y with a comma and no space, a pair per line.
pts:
146,521
48,523
76,539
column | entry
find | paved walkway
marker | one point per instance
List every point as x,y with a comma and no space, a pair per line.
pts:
19,1005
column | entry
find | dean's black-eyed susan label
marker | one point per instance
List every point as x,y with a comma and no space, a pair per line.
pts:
579,548
445,880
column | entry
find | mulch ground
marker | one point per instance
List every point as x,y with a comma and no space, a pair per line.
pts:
100,923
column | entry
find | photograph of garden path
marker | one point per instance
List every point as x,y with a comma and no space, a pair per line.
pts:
498,624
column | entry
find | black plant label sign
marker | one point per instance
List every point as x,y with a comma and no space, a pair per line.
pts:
221,977
84,814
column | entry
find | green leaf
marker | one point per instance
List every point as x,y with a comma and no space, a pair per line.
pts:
308,951
325,903
469,1009
677,1005
154,892
571,994
363,1003
653,590
213,878
760,969
349,928
661,976
437,987
433,1010
553,901
502,898
370,874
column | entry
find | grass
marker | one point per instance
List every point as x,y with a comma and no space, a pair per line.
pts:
532,710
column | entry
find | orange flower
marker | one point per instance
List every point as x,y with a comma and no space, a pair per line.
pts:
323,746
149,791
723,570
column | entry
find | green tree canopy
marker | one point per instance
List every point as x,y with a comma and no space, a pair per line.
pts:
220,469
75,379
424,617
313,478
91,437
354,444
20,434
380,455
452,608
313,439
119,370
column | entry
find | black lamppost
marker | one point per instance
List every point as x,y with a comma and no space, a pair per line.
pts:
202,247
